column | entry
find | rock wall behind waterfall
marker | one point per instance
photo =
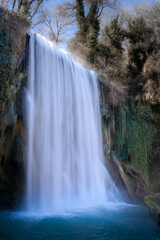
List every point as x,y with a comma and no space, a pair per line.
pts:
13,63
131,134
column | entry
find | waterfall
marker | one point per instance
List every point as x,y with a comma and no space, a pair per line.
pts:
65,166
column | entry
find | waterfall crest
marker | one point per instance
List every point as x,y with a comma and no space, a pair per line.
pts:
64,153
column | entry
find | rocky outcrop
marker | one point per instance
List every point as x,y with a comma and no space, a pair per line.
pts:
150,202
13,75
131,133
153,203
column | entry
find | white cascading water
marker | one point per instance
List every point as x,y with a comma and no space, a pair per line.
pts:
64,157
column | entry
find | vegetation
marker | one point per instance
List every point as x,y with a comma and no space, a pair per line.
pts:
132,121
122,46
24,7
123,51
151,204
13,30
54,22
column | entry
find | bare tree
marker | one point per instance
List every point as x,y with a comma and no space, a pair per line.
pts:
26,7
102,5
5,3
56,23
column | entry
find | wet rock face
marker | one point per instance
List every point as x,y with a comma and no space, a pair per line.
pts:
13,77
153,203
131,133
158,220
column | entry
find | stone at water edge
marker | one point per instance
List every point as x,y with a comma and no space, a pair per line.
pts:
158,221
150,202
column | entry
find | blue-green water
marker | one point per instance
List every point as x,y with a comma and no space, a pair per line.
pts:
122,222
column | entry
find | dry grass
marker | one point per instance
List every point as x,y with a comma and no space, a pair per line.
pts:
111,73
152,73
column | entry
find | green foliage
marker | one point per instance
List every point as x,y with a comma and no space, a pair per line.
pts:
93,26
6,64
81,20
88,28
114,36
25,8
141,41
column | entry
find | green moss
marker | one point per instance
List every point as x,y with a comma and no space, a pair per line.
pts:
7,63
149,201
131,132
12,81
134,135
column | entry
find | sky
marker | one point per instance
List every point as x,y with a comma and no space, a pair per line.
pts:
124,3
131,3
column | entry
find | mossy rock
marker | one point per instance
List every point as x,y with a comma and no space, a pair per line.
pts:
150,202
14,52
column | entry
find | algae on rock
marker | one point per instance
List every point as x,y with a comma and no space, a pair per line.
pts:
130,133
